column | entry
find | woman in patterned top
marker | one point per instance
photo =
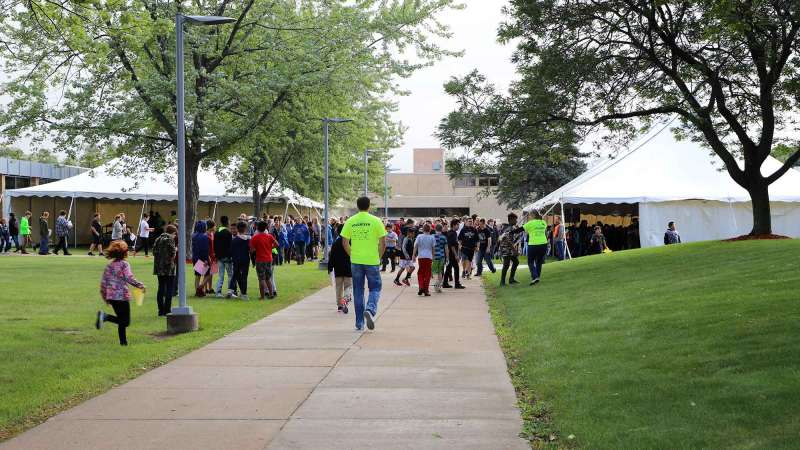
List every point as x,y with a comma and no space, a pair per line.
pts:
114,289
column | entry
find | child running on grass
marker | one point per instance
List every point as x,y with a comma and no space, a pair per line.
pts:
114,289
407,263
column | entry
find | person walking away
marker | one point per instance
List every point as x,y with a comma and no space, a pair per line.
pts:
96,231
25,231
301,240
144,236
389,254
364,239
44,234
468,238
536,228
200,252
597,243
510,240
13,230
5,236
63,225
164,266
439,257
315,238
559,238
671,236
240,258
261,246
339,266
485,246
407,260
453,252
424,247
222,250
114,290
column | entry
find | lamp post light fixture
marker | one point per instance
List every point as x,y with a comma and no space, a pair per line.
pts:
182,318
323,264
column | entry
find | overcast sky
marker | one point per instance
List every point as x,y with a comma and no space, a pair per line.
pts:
475,32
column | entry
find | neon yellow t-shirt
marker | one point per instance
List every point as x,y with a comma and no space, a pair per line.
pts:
364,232
536,230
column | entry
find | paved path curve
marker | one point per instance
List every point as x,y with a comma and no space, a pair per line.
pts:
431,376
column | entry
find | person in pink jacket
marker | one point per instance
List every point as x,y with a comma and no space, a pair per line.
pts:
114,289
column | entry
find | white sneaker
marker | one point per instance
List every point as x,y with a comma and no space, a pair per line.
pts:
370,319
219,295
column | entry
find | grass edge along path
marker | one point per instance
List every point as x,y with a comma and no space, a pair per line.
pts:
52,358
690,346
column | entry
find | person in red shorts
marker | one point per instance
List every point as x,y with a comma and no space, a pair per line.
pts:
261,245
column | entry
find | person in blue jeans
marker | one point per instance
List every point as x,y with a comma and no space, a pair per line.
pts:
364,239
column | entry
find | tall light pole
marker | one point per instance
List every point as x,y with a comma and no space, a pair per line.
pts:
386,170
323,264
182,318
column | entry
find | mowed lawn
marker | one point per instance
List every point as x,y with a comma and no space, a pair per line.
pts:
52,357
682,347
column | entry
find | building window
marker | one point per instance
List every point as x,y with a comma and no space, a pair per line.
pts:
488,181
466,181
13,182
437,166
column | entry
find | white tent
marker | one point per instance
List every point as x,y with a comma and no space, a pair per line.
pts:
677,181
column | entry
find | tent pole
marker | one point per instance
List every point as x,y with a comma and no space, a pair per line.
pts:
6,203
214,214
564,224
286,211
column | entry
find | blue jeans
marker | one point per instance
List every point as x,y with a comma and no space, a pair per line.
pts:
225,265
44,246
484,255
536,255
559,248
372,274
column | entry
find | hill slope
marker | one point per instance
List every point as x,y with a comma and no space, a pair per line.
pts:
690,346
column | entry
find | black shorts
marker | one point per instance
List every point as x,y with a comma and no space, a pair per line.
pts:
467,254
95,239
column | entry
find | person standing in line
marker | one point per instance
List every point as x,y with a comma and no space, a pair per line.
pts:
536,228
261,246
116,228
114,291
439,257
485,245
389,254
240,257
63,226
222,250
5,236
453,251
25,231
559,238
671,236
164,267
468,238
200,252
144,236
96,231
364,239
407,260
275,230
510,240
213,267
44,234
340,266
13,230
494,230
424,247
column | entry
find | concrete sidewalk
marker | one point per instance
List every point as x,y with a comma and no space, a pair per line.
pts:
430,376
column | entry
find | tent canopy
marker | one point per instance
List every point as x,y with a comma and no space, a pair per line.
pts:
105,182
665,170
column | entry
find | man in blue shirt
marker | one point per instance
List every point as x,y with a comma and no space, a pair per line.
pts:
302,237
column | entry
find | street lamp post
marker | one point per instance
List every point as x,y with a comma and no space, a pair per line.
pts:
323,264
182,318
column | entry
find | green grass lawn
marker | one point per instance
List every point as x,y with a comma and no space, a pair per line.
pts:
690,346
51,356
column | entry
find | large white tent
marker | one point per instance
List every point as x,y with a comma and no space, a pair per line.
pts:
110,183
676,181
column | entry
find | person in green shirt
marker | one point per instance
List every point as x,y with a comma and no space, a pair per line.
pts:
537,244
25,231
364,239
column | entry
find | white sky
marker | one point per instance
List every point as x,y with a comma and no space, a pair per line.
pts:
474,31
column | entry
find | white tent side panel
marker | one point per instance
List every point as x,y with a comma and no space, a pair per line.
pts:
702,220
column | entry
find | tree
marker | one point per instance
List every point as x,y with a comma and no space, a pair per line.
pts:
729,70
782,152
529,160
113,62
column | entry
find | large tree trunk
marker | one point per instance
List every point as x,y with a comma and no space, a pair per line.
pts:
257,203
192,195
759,196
